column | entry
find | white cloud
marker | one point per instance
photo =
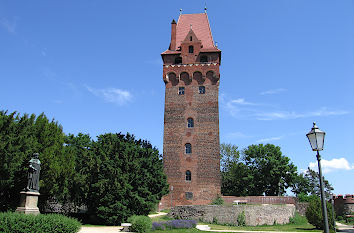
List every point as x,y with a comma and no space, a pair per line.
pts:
112,95
332,165
241,101
10,26
284,115
268,139
237,135
273,91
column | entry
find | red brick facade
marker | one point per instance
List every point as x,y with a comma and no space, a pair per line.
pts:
194,69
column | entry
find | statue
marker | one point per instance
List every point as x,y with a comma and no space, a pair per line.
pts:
34,169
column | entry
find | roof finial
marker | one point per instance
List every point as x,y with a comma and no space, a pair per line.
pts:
191,26
216,44
180,11
205,8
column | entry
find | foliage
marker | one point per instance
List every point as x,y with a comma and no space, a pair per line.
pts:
297,219
314,214
260,169
241,219
302,197
308,183
174,224
229,155
218,200
23,223
140,223
20,137
126,178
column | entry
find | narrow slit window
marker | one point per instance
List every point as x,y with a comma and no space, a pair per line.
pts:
190,123
191,49
181,90
191,38
188,175
188,148
201,90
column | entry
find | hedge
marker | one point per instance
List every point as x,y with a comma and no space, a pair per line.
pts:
27,223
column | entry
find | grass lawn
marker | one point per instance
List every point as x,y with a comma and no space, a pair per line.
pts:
286,227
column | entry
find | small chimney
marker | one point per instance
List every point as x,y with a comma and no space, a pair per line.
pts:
173,35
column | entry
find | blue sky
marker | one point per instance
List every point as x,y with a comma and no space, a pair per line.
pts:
95,67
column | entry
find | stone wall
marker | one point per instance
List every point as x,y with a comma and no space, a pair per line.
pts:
254,214
301,207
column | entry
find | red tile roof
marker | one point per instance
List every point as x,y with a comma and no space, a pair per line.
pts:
200,26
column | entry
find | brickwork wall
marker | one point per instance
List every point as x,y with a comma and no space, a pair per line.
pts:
255,214
344,205
203,162
261,199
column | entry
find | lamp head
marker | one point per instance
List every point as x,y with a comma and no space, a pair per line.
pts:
316,138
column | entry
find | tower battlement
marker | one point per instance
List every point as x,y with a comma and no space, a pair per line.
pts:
344,205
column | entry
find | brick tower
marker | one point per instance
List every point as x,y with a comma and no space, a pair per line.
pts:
191,125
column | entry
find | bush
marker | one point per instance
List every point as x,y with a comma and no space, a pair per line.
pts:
51,223
314,214
218,200
241,219
140,223
174,224
297,219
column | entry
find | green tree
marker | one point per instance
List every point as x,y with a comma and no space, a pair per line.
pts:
272,172
258,169
80,147
20,137
308,184
126,178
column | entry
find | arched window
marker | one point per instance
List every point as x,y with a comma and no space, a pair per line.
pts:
201,90
188,175
188,148
191,49
190,123
178,60
181,90
203,59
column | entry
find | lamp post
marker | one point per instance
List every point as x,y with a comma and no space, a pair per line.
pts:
316,139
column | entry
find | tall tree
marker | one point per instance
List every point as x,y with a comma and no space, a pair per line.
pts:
257,170
20,137
308,184
126,178
272,171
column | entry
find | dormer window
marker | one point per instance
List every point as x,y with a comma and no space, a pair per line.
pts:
191,49
191,38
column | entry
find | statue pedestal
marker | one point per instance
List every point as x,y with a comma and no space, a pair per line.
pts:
28,203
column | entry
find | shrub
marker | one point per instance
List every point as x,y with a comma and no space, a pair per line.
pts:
241,219
174,224
51,223
297,219
218,200
140,223
314,214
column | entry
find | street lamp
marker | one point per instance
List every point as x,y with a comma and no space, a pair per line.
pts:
316,139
